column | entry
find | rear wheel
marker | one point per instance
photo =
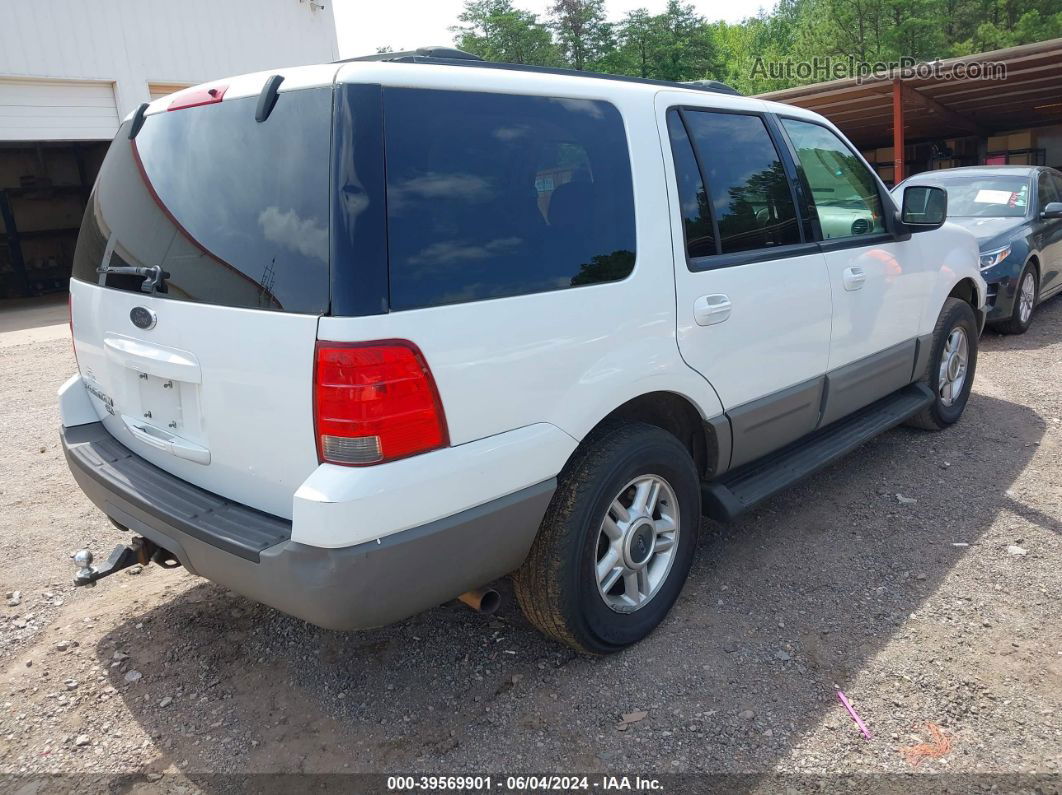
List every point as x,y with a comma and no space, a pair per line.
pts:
617,541
952,362
1024,303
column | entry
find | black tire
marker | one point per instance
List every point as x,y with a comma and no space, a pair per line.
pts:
1014,324
557,587
937,415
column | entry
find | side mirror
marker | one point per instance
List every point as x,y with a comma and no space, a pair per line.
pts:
924,207
1052,210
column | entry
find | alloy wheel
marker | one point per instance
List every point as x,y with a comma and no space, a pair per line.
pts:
954,362
1026,298
637,543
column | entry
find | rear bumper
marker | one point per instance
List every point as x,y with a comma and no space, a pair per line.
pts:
355,587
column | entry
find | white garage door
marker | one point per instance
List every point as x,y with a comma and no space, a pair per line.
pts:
160,90
56,110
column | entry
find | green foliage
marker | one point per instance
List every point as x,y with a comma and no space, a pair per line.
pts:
679,44
583,33
674,45
497,31
1003,24
605,268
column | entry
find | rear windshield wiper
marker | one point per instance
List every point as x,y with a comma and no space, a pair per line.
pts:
154,276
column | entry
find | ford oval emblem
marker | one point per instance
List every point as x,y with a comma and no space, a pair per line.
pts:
143,317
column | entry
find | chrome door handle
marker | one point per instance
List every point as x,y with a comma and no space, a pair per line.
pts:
711,309
854,278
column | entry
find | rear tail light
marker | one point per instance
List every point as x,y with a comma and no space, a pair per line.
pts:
375,402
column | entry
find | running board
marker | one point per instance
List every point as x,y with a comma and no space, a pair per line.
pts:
738,491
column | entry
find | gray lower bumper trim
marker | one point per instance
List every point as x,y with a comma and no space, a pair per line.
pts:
367,585
101,464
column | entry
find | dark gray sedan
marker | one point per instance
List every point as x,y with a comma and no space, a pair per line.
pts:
1015,212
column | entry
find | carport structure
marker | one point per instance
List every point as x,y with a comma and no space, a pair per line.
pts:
973,96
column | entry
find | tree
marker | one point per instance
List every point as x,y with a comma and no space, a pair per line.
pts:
992,24
856,29
497,31
637,40
684,46
674,45
678,44
583,34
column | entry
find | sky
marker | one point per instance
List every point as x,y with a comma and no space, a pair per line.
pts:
364,25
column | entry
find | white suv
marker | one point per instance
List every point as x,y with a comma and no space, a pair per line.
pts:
354,339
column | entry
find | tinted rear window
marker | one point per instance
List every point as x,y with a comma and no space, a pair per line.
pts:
693,198
492,195
236,211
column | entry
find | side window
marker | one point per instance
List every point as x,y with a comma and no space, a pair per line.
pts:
693,199
844,192
493,195
1045,191
748,191
1057,180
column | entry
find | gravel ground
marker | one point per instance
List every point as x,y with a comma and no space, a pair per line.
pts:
921,576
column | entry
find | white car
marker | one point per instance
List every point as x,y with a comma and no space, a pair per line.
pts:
356,339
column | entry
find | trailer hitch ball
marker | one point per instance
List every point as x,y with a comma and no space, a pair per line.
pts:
83,561
121,557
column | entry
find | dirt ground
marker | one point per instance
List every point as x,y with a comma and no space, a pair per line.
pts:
921,576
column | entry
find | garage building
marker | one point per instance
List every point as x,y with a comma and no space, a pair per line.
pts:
71,70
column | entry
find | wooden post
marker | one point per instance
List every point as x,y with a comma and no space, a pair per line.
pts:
897,130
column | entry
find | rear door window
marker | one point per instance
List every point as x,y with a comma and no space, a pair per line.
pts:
748,190
235,211
494,195
693,198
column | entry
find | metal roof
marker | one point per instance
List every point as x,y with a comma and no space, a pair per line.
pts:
948,103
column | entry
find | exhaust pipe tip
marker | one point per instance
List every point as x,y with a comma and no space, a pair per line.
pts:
482,600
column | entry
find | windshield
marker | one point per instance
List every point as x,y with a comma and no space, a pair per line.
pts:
986,197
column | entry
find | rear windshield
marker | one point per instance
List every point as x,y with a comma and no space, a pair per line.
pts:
236,212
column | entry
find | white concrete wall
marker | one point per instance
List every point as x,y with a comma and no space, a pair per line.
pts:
132,43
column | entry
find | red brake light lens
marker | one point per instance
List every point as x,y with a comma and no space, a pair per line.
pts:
194,97
375,402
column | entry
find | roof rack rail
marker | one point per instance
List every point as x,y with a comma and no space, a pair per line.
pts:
710,85
449,53
448,56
